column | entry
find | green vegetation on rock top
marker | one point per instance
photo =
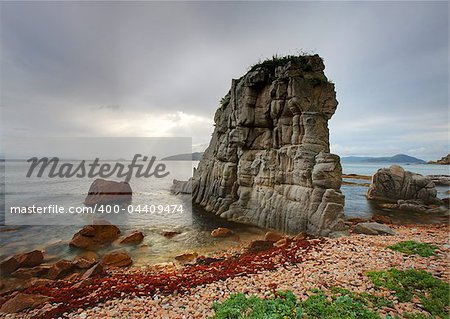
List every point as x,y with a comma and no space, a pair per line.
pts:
272,63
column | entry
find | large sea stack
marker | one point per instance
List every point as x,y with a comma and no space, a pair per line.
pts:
269,162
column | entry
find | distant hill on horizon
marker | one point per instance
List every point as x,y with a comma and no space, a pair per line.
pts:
396,159
196,156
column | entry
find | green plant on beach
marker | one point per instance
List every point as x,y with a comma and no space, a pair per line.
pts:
433,293
281,306
411,247
341,303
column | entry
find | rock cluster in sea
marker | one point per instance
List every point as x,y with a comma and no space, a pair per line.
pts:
394,183
268,162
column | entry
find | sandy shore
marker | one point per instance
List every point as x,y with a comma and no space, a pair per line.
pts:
300,266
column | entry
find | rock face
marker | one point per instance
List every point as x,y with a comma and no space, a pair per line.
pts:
394,184
106,192
268,161
181,187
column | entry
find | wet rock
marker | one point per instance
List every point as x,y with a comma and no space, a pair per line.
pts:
186,258
372,228
181,187
118,258
221,232
394,183
108,192
281,242
272,236
60,269
382,219
442,180
26,273
300,236
93,237
30,259
134,238
86,260
23,301
95,271
259,245
170,234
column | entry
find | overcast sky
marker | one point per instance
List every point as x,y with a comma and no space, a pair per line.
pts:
160,69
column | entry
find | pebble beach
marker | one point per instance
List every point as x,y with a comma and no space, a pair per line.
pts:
300,266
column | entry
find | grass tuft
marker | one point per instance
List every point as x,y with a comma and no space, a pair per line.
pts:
434,294
411,247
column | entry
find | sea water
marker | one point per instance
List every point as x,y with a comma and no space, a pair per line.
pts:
194,225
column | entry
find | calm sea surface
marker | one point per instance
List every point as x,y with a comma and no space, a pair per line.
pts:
194,224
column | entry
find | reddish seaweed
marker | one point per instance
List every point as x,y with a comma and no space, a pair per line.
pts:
70,298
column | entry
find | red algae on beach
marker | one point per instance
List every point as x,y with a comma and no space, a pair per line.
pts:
67,297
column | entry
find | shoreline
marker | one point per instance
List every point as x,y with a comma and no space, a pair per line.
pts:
298,266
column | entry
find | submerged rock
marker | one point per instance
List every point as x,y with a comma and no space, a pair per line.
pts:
221,232
133,238
93,237
108,192
268,162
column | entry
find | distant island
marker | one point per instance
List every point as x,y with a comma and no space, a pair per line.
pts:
445,160
196,156
397,159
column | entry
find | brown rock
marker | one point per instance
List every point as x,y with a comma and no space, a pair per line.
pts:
40,282
107,192
185,258
23,301
86,260
281,242
170,234
60,269
82,283
26,273
117,259
93,272
259,245
300,236
93,237
30,259
273,237
134,238
221,232
72,277
382,219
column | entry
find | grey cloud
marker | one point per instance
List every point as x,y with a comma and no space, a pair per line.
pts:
62,60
